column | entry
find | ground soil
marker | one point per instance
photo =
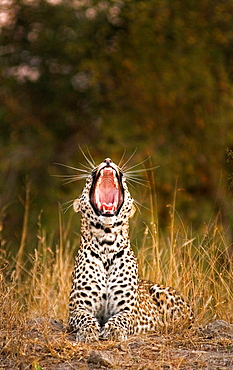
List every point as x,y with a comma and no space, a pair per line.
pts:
44,346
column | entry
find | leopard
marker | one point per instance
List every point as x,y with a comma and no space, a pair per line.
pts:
108,299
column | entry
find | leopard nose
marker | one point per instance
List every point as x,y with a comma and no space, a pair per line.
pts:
108,161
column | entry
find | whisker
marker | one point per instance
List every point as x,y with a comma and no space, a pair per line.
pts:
77,178
91,157
136,165
72,168
68,201
136,181
92,164
141,170
121,160
67,179
135,177
141,205
66,208
71,176
137,206
133,174
124,165
132,185
85,166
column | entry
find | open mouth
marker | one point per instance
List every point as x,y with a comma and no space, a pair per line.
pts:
107,192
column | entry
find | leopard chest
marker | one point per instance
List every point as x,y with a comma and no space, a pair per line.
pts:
105,278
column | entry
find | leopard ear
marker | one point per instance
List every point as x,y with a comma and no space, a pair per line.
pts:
133,209
76,205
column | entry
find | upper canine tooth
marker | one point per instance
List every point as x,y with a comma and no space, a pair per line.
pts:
116,183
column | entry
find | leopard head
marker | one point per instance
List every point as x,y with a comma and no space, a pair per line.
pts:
105,197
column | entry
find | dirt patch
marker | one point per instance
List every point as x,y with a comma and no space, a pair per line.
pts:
45,346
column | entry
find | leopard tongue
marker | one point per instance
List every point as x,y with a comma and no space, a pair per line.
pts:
107,191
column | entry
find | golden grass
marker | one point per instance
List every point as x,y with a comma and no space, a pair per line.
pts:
199,267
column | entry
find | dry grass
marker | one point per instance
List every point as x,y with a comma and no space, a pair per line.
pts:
198,266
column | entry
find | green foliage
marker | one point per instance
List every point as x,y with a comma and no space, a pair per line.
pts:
115,75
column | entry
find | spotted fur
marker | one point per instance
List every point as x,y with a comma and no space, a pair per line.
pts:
107,299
